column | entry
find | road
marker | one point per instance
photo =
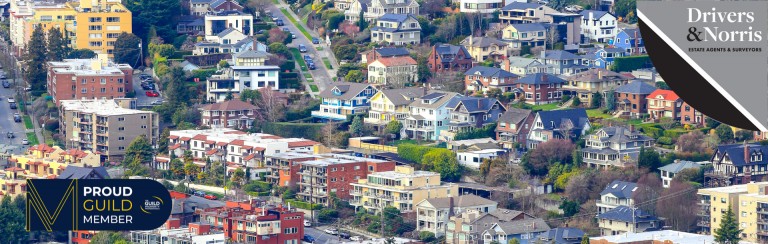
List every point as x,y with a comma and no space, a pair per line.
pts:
8,125
320,236
321,75
141,97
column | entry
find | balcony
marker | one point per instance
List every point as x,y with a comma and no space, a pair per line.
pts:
703,213
703,224
762,210
704,203
762,221
356,193
313,194
420,127
403,199
354,202
762,232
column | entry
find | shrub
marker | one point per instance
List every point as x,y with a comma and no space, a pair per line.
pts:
288,130
303,205
486,131
629,63
664,140
412,152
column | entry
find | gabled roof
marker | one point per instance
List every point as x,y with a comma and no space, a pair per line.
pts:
506,215
444,97
620,134
529,27
735,153
404,96
392,51
474,104
344,90
631,32
396,4
620,189
577,116
77,172
520,6
448,49
482,41
561,236
679,166
636,87
540,78
490,72
597,75
625,214
231,105
396,61
514,115
201,1
534,225
668,95
560,55
226,32
595,14
252,54
462,201
520,61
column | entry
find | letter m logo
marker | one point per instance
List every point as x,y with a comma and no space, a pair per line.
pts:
47,208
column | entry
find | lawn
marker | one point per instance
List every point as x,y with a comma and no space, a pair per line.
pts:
32,138
310,80
544,107
28,122
298,26
408,141
327,63
319,48
597,113
314,88
299,59
276,2
308,75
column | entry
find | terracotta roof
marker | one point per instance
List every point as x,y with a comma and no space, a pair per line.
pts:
237,132
76,153
302,143
210,142
13,160
62,167
185,138
246,147
666,94
174,146
250,156
260,149
221,143
164,160
173,137
14,169
231,105
271,137
237,142
41,147
35,163
211,152
397,61
200,137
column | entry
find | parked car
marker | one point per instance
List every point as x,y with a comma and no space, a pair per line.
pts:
344,235
302,48
286,29
152,94
279,22
315,40
199,193
260,32
17,118
307,57
211,197
6,84
10,135
332,231
307,223
311,66
10,100
24,142
13,106
356,238
308,238
157,102
293,35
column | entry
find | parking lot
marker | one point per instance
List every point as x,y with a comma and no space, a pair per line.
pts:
142,100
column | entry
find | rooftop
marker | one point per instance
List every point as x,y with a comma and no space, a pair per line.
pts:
88,67
99,107
662,236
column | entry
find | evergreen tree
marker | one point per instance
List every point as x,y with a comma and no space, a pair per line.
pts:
576,101
139,148
57,45
356,128
729,231
361,23
35,72
585,239
162,14
597,99
127,50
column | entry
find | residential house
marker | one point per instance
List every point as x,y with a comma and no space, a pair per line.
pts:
623,219
596,80
735,164
249,71
393,71
669,171
759,136
631,98
468,227
540,88
692,116
203,7
630,40
564,235
471,112
557,124
567,26
247,223
369,56
449,58
598,26
233,113
472,144
484,48
525,231
523,12
397,29
561,62
392,105
83,172
433,214
342,5
513,127
190,25
199,7
614,146
748,202
617,193
341,99
474,158
333,173
374,9
664,103
227,36
218,22
519,35
602,57
480,6
480,79
522,66
401,188
228,41
659,236
429,116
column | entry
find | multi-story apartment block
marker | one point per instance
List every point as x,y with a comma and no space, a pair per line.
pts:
333,173
748,202
691,116
540,88
392,104
617,193
233,113
249,223
283,168
429,115
25,15
470,113
561,62
735,164
598,26
106,126
401,188
480,79
394,71
173,232
631,98
88,78
614,146
523,12
42,162
433,214
341,99
484,48
519,35
397,29
449,58
218,22
373,9
623,219
513,127
557,124
664,103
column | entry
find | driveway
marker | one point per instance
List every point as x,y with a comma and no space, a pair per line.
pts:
142,100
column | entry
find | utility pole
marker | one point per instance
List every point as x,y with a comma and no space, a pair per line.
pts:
381,221
311,194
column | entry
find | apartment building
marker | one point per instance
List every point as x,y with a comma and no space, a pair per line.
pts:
43,162
25,15
341,99
523,12
333,173
233,114
106,126
88,78
401,188
251,223
433,214
598,26
614,146
283,168
174,232
373,9
480,6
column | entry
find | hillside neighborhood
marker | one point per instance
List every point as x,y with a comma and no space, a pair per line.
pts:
369,121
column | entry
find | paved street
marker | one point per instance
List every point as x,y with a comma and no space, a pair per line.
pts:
320,235
7,124
141,97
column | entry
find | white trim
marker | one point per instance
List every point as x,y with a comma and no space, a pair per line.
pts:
701,71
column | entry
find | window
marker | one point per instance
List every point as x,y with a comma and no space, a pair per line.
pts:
291,230
94,44
94,27
103,81
95,36
103,90
120,128
94,19
113,19
121,138
110,43
121,148
112,35
84,90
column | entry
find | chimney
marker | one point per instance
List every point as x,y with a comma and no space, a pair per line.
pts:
747,169
450,206
746,153
591,15
506,65
599,74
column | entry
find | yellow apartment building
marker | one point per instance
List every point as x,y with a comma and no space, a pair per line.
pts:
749,204
401,188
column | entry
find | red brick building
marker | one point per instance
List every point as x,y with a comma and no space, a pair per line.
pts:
284,167
631,98
73,79
257,224
449,58
333,173
691,116
539,88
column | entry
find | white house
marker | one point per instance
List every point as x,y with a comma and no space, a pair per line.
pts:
473,159
216,23
248,72
433,214
429,115
480,6
618,193
598,26
669,171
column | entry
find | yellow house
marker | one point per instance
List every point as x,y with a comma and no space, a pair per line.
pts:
400,188
48,162
484,48
749,204
392,104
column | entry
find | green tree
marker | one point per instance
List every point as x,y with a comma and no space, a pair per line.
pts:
445,163
394,127
623,8
334,19
176,93
610,101
577,157
58,49
139,148
81,54
355,76
570,208
361,23
191,169
426,236
12,211
248,95
423,69
357,127
162,50
648,158
513,241
177,169
107,237
136,168
724,132
35,72
127,49
162,143
238,178
711,123
597,99
585,239
576,101
160,14
729,231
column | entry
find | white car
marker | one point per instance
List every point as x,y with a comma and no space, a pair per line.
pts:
24,142
332,231
10,100
307,223
356,238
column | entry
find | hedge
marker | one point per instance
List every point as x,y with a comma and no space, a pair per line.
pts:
652,130
303,205
630,63
288,65
474,133
674,133
664,140
415,152
203,74
290,130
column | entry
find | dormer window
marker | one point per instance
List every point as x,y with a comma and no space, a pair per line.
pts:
756,157
552,123
425,101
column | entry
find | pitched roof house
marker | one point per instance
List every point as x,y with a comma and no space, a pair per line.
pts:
433,214
392,104
397,29
513,126
471,112
624,219
522,66
596,80
373,9
735,164
233,113
562,124
669,171
384,52
483,48
521,229
561,62
540,88
617,193
447,58
480,79
614,146
393,71
664,103
631,97
344,98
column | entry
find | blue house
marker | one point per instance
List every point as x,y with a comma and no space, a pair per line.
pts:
601,57
341,99
561,236
630,41
525,231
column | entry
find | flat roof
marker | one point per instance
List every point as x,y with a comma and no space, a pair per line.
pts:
99,107
398,175
725,189
86,67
